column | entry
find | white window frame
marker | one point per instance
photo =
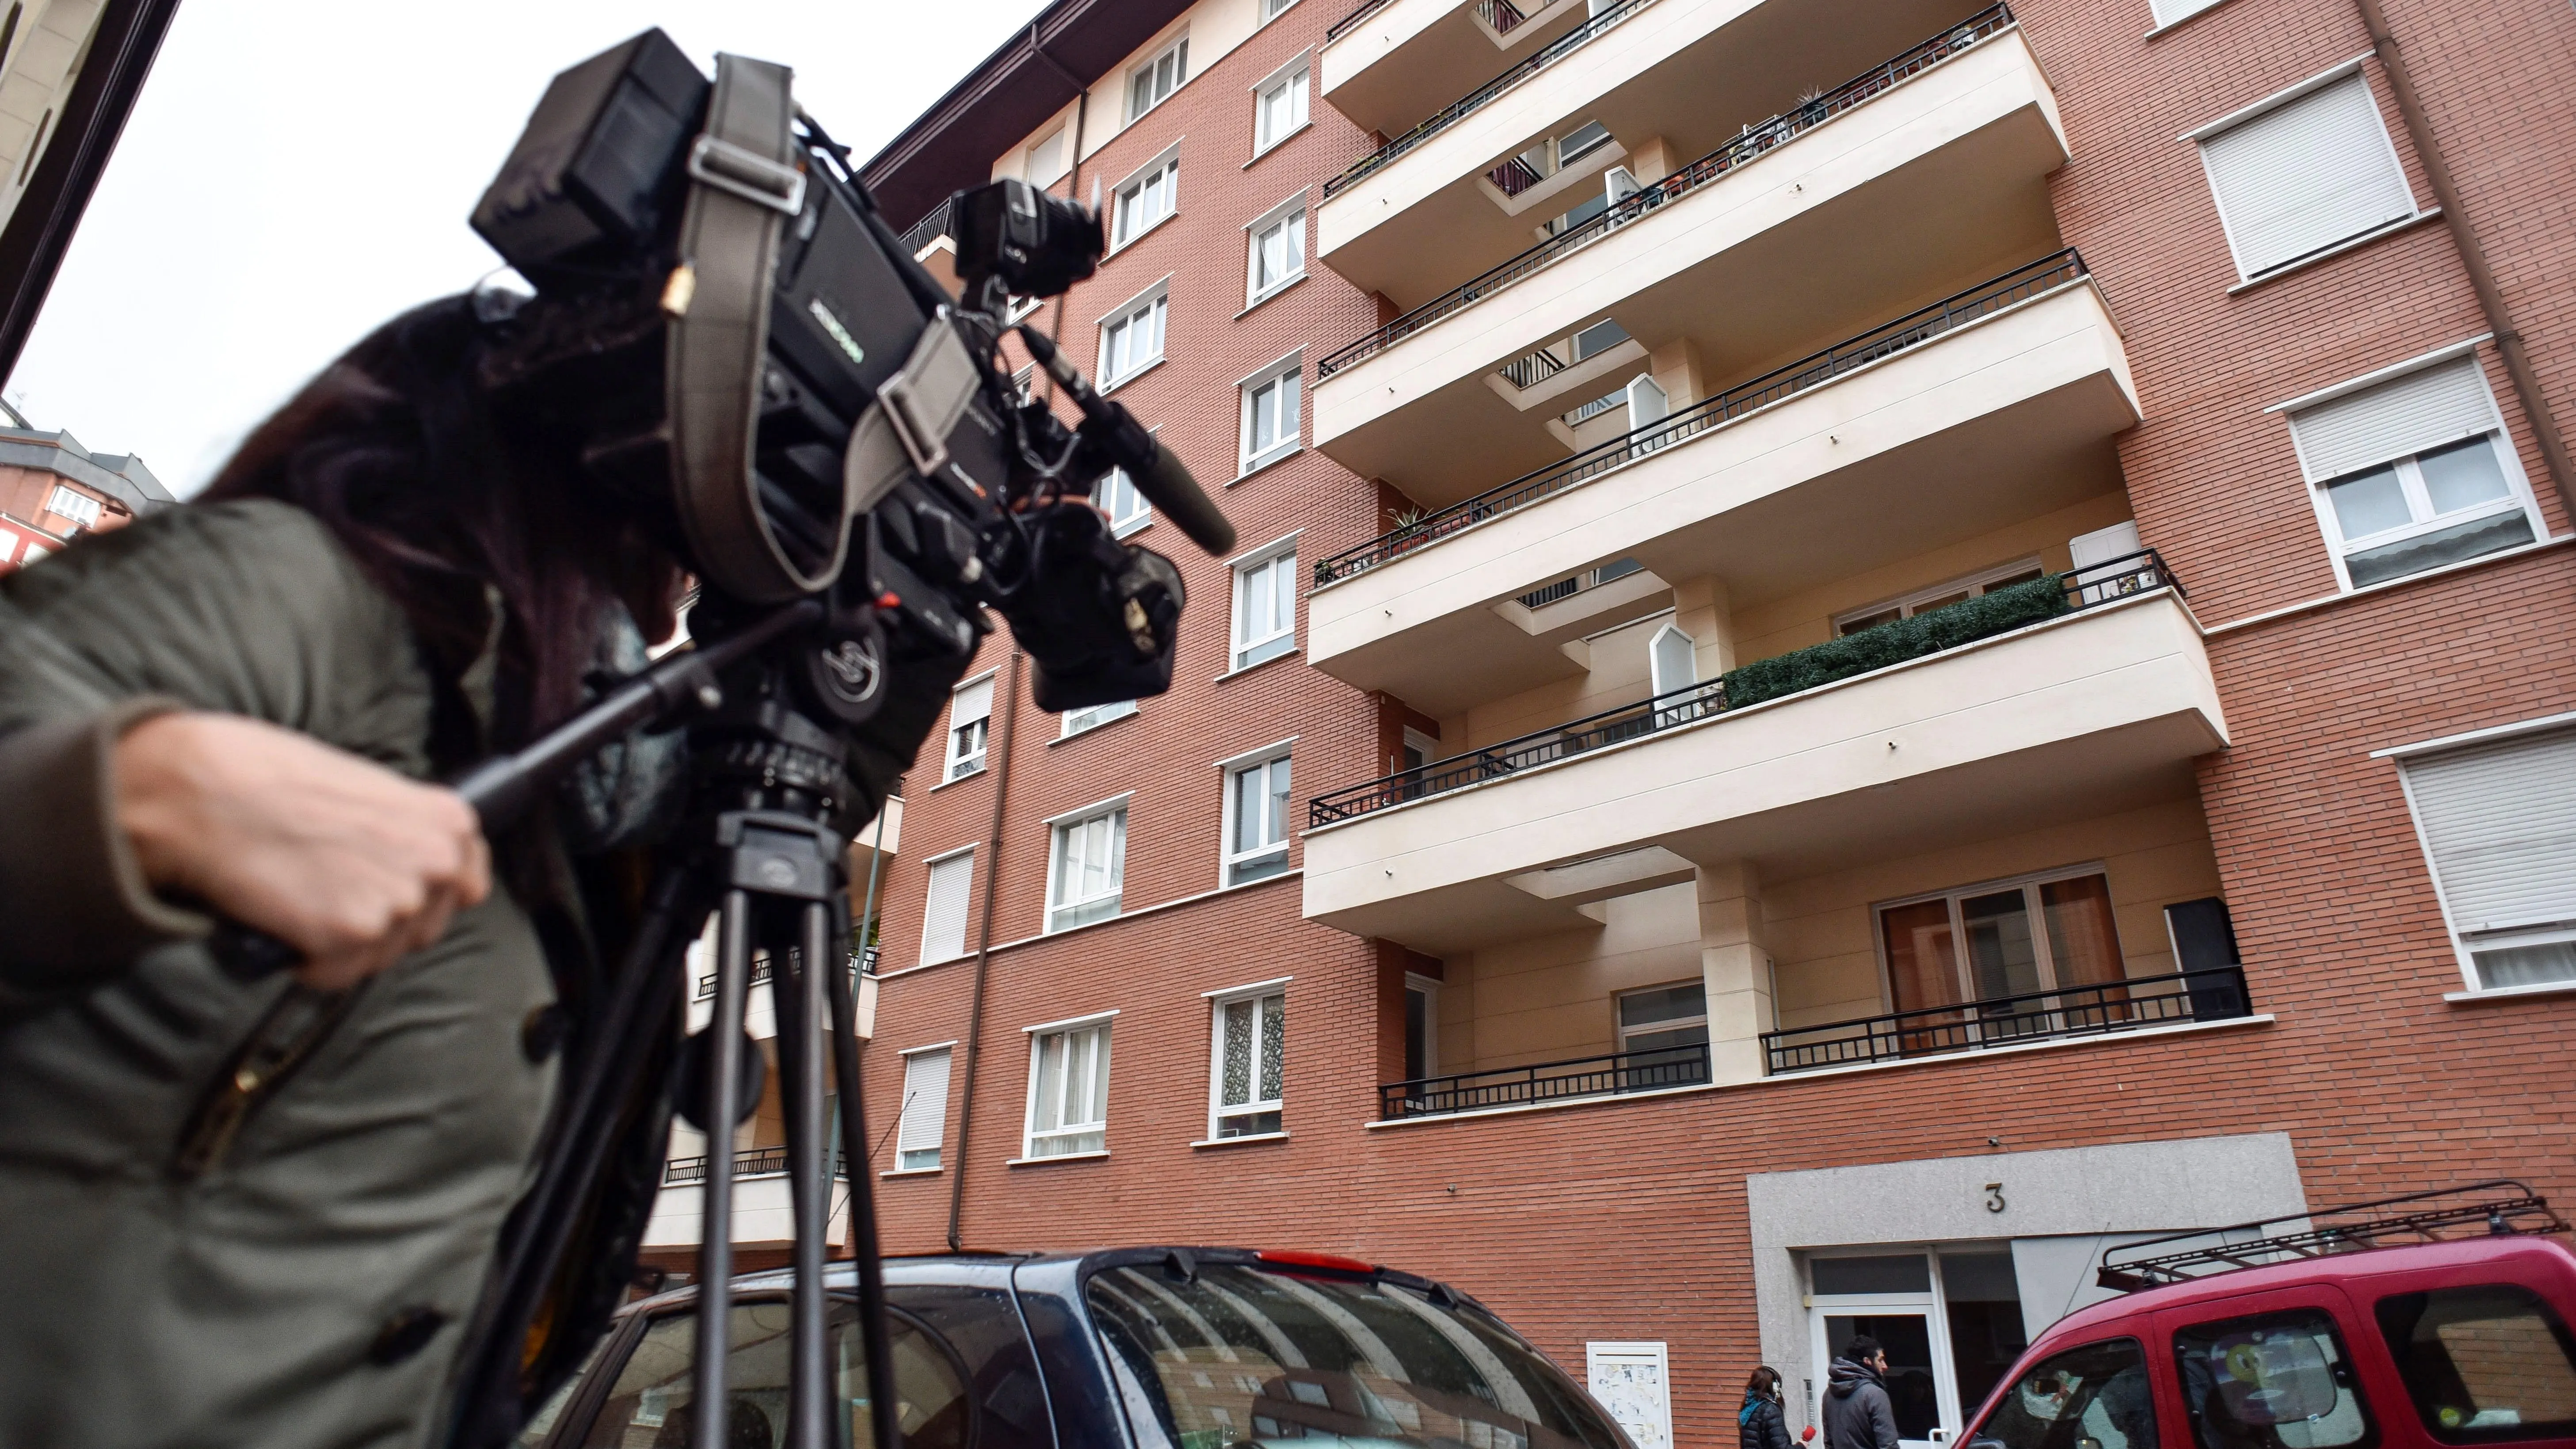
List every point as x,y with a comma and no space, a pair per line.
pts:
931,865
2045,954
1273,9
2288,96
1229,861
1165,168
1290,219
1249,458
1975,585
2169,13
903,1113
1155,300
69,502
1101,1060
1619,1029
1261,993
1124,506
1059,828
1296,77
1177,49
2472,984
1059,135
961,763
2410,476
1246,653
1084,721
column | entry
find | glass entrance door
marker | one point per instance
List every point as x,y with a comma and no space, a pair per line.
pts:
1949,1318
1914,1366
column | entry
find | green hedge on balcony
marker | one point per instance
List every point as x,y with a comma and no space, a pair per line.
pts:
1947,627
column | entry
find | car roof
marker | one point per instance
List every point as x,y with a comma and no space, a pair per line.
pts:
2514,1254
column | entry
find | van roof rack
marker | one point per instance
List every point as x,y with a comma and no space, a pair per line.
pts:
2497,1207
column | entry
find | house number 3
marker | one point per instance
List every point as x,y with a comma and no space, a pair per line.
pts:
1994,1197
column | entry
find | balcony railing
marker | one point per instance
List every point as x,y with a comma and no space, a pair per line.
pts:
1502,15
1753,144
750,1162
1913,329
1362,11
927,230
2128,1005
1921,636
1601,1076
1476,100
860,965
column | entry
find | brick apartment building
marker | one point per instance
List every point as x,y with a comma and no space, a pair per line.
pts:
1875,645
52,490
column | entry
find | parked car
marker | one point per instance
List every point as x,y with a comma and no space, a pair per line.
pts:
1132,1348
2341,1345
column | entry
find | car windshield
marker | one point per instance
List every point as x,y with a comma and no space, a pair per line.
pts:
1234,1355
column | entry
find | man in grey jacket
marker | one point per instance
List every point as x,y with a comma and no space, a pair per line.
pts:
1857,1413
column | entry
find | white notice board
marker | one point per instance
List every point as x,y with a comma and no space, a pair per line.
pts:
1631,1381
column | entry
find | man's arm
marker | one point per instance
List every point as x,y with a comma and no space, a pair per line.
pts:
1882,1421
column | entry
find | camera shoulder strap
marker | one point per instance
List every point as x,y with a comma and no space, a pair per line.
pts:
906,429
744,185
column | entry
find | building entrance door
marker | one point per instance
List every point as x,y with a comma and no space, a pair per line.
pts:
1918,1361
1949,1318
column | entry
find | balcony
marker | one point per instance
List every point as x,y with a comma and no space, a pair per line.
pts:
750,1162
2130,1004
1992,405
1608,1075
2099,704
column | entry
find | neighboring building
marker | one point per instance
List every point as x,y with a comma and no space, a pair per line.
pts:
52,490
1703,811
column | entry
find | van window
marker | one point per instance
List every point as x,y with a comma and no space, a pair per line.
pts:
2094,1395
649,1405
2271,1381
2485,1365
1237,1354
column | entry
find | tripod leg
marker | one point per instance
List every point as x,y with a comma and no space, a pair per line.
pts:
715,1237
801,1013
873,1323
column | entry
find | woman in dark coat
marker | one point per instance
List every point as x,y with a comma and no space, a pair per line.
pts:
1760,1424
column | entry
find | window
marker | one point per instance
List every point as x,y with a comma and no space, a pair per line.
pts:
1270,414
1078,720
2174,12
651,1400
1924,601
1150,83
1277,254
2094,1394
1257,801
2498,823
1046,159
2489,1364
1279,106
1089,869
943,916
1598,338
1251,1037
79,507
970,720
2304,175
1068,1090
1670,1022
1117,497
1273,9
1146,198
1133,340
924,1117
1421,1027
2021,938
2271,1378
1265,608
2413,473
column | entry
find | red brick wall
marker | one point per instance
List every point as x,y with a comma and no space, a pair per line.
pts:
1628,1220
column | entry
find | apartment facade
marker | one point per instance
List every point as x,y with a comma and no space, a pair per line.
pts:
52,490
1875,647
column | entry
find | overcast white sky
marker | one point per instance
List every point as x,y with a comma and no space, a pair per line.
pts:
299,170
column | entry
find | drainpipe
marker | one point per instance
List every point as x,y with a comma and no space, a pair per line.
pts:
1010,693
1073,157
2473,258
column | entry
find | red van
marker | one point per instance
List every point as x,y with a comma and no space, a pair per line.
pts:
2425,1322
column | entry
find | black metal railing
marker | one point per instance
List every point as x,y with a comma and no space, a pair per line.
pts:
1503,15
2217,994
1755,143
750,1162
1601,1076
860,965
2083,588
927,230
1911,330
1362,11
1476,100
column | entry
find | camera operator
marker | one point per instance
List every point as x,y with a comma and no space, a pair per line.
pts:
260,1214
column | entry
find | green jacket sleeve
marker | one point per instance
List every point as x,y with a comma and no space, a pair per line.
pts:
248,608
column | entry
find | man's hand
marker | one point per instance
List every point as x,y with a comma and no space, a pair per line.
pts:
353,865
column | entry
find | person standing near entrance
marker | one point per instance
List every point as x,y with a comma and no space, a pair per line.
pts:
1760,1425
1857,1414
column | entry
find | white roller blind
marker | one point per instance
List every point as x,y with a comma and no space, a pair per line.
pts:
970,703
925,1102
2410,414
943,925
2169,11
2302,176
2501,821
